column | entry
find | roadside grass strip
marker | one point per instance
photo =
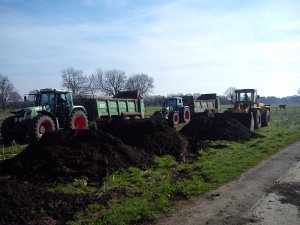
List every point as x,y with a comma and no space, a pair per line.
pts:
139,195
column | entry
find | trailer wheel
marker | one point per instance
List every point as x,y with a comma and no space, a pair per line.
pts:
7,132
186,115
78,120
39,126
257,119
266,118
173,119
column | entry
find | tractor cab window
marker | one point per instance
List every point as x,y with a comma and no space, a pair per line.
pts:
179,102
245,97
47,99
61,99
69,99
171,102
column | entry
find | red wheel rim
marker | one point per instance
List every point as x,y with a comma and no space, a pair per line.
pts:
176,118
187,115
79,123
45,127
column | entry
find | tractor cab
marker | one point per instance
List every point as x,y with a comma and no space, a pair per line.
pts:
245,99
246,95
172,104
52,100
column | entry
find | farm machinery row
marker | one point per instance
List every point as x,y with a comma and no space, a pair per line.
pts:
56,109
246,109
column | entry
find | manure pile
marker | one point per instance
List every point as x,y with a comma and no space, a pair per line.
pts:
218,128
64,155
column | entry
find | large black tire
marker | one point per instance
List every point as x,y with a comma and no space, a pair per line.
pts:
39,126
173,119
7,132
265,118
185,116
78,120
257,119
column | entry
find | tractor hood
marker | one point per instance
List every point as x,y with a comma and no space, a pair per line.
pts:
28,113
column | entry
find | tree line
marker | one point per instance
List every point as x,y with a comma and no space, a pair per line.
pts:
108,82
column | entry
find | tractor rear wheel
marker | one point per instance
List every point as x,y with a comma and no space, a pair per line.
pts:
257,119
7,132
186,115
39,126
266,118
173,119
78,120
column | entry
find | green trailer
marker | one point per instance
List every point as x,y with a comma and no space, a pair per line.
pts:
106,108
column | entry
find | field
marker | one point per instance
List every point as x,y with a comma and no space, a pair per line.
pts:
138,195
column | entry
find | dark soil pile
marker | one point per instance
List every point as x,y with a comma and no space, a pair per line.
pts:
63,156
155,136
26,204
218,128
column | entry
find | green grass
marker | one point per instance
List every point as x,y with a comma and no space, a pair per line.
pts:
10,151
4,114
139,195
149,110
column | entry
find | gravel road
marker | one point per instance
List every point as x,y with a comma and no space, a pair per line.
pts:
266,194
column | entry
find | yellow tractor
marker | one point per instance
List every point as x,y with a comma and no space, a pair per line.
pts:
248,110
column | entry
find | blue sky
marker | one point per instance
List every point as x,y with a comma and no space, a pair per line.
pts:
187,46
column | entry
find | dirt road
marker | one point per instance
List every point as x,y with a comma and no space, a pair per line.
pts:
266,194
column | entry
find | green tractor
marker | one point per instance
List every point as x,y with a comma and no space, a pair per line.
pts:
53,110
173,111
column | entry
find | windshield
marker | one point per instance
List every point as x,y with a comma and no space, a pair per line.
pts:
46,99
245,97
170,102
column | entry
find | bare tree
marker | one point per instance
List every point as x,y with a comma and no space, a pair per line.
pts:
141,82
92,86
14,98
6,88
110,82
298,91
229,92
75,81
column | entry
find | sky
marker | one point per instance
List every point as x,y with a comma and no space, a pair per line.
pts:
187,46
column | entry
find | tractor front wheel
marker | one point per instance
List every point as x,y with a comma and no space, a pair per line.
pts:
266,118
257,119
173,119
78,120
39,126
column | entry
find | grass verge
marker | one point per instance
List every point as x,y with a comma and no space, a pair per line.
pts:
140,195
10,151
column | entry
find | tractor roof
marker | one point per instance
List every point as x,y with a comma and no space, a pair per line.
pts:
244,90
53,90
175,97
